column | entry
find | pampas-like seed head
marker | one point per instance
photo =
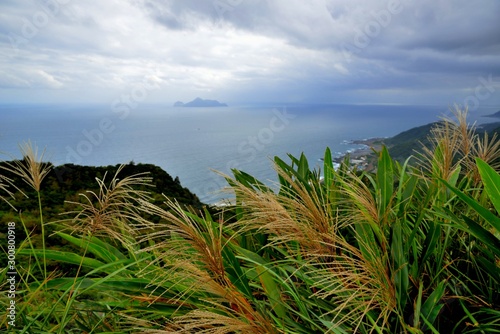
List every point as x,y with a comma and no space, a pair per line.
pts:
189,253
450,142
31,169
113,211
301,218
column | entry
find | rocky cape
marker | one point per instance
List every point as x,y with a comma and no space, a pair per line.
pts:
200,103
406,143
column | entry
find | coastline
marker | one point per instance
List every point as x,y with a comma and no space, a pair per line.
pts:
363,158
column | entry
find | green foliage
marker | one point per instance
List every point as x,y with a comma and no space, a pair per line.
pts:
402,250
63,186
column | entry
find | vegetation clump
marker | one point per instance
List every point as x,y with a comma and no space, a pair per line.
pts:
411,248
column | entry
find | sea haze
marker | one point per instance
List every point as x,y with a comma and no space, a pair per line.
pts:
192,142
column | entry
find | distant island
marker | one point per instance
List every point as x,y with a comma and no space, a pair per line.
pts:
199,102
496,115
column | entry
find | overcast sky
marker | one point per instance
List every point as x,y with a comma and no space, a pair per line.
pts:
244,51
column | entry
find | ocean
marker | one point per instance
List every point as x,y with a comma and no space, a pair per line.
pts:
192,143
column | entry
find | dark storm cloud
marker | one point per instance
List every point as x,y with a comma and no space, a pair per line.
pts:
466,27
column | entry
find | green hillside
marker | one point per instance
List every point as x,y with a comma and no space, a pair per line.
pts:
68,183
406,143
411,141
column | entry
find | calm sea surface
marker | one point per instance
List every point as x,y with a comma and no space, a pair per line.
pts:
191,142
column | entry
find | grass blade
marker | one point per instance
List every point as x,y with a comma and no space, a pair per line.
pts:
489,217
432,305
491,180
66,257
385,180
95,246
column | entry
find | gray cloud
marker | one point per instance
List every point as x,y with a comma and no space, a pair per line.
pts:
250,50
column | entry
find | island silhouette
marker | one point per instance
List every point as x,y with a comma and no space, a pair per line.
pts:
199,102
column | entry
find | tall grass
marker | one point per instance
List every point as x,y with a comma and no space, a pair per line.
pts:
32,170
410,248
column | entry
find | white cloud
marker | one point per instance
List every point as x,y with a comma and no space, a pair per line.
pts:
44,79
341,68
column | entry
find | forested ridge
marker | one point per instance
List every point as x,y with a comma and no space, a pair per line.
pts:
64,186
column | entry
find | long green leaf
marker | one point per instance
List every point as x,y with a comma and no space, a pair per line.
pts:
132,286
417,309
66,257
328,170
484,235
489,217
265,275
385,180
285,184
235,273
491,180
403,176
399,256
368,243
272,290
301,174
303,168
431,240
104,251
490,266
249,181
433,305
